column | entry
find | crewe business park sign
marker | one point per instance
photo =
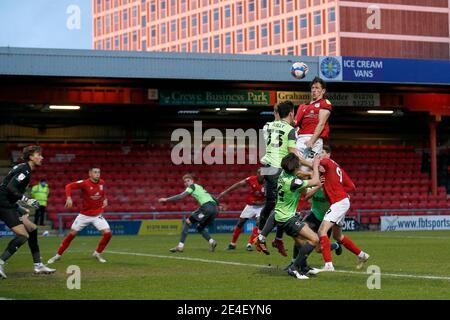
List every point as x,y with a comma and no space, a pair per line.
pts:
359,69
214,98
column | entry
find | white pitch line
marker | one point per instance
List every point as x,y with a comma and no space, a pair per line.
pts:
427,277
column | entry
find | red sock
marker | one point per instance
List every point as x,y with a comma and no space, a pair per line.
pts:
237,231
102,244
65,244
346,242
254,235
325,247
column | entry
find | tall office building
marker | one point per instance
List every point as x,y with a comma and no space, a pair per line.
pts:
382,28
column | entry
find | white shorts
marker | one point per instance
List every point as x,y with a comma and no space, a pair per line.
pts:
82,221
251,211
301,146
337,212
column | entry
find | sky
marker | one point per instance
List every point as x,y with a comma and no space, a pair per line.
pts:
63,24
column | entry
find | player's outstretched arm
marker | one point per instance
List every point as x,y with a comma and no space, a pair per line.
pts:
235,186
315,180
174,198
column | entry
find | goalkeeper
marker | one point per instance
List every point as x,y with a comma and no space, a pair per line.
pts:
12,190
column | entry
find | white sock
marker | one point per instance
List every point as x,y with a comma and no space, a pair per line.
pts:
328,264
261,237
2,262
211,241
38,264
361,254
181,245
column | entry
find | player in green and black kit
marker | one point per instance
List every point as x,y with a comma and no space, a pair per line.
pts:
204,215
290,186
314,217
280,140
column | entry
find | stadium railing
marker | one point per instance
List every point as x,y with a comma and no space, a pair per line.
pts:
127,215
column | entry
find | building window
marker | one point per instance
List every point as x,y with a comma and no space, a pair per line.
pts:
183,47
144,45
228,39
194,46
99,7
316,2
153,7
239,9
251,6
143,21
331,15
205,17
134,16
99,26
304,49
99,45
173,26
239,36
216,15
264,31
290,24
153,32
183,24
193,4
205,44
290,51
251,33
134,36
332,46
317,18
303,21
303,4
108,44
163,5
227,11
108,23
277,52
317,48
107,3
116,42
276,27
125,18
163,29
125,40
263,4
216,42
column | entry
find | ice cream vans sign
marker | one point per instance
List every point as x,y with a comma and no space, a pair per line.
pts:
361,69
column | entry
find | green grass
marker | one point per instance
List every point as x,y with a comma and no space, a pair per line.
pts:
160,277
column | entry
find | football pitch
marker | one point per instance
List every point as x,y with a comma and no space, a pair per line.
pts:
413,265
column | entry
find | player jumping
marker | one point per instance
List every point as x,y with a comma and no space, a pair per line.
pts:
94,202
337,184
255,202
204,215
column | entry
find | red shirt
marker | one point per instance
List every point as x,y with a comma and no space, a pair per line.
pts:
256,196
307,117
92,194
337,182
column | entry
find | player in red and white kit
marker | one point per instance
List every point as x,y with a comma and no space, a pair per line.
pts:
312,121
94,202
336,185
255,202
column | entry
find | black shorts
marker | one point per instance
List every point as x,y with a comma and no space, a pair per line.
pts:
293,226
204,215
311,220
10,215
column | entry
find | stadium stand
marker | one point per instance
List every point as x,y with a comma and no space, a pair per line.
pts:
387,177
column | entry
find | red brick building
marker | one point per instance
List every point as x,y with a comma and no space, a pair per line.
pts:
382,28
